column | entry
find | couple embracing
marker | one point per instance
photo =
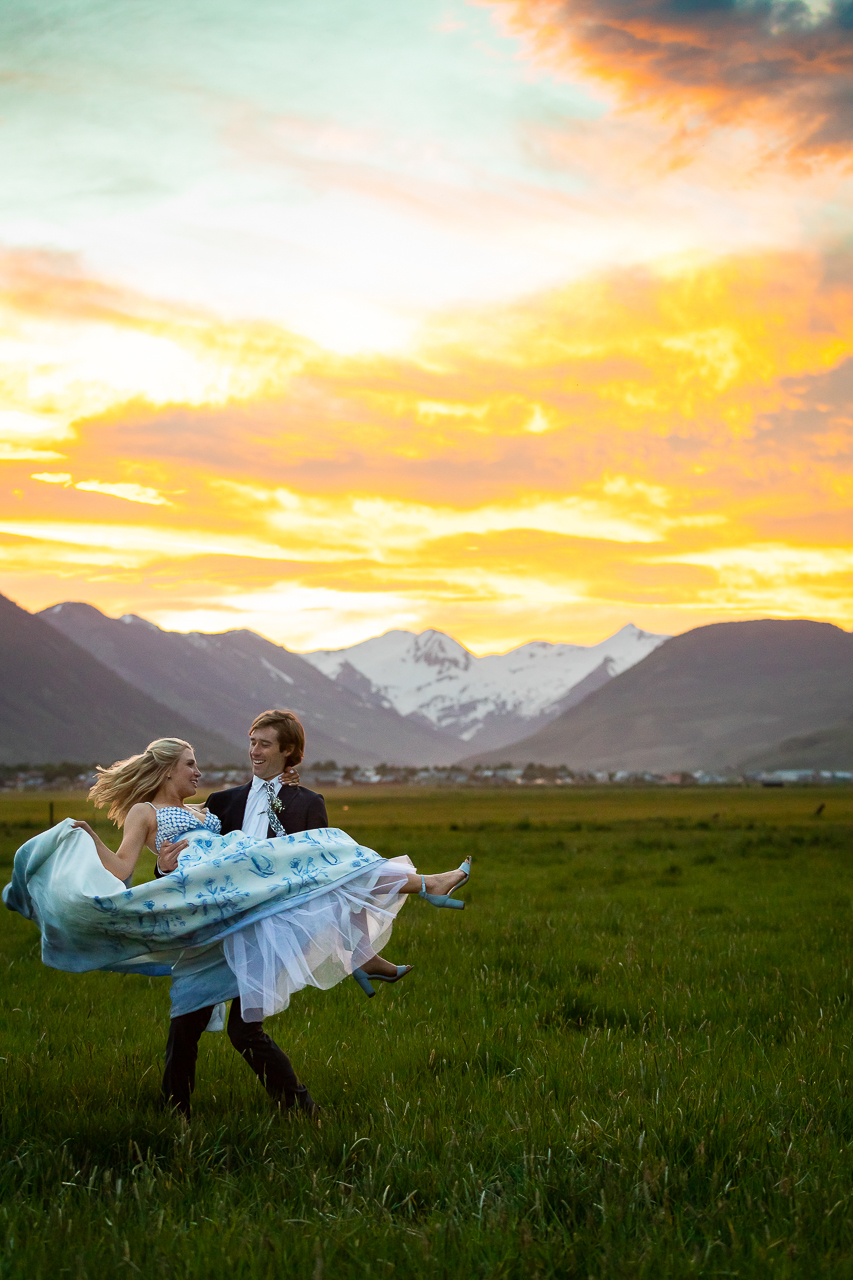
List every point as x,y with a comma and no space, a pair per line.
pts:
255,897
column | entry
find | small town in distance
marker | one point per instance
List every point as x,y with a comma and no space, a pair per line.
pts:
326,774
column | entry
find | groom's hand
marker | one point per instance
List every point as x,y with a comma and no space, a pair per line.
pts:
167,859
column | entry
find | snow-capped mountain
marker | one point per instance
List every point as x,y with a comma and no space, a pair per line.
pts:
492,700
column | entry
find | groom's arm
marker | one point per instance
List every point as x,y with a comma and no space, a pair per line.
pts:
167,858
315,813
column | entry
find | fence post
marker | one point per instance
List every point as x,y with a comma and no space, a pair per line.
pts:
50,824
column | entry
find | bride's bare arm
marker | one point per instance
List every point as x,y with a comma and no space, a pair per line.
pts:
138,829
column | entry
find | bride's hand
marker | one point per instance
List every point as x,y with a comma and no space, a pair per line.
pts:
167,859
84,826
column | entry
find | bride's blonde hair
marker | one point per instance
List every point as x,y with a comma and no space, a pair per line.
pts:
127,782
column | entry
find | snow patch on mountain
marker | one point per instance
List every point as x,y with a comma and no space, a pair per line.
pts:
499,697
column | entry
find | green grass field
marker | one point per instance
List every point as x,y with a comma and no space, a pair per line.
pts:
629,1057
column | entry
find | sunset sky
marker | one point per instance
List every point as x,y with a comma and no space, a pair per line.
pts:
518,319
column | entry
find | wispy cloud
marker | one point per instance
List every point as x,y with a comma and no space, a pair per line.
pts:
128,492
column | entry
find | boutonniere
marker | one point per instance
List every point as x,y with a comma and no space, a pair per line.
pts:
277,805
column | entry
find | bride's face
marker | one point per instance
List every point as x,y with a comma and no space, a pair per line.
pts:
186,774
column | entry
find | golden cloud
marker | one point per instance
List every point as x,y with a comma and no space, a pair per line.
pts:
640,444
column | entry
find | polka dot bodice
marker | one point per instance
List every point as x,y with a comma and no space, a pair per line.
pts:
174,822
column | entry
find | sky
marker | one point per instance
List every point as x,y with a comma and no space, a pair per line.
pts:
517,319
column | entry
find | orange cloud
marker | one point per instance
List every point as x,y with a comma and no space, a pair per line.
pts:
691,363
776,63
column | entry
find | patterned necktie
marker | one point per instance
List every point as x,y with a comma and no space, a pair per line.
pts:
272,800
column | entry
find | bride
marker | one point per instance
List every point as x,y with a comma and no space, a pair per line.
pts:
262,918
351,891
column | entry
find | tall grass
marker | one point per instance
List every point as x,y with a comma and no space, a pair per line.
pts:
628,1057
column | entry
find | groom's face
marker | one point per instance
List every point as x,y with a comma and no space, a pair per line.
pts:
268,759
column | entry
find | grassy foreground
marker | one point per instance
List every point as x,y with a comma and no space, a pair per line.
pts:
629,1057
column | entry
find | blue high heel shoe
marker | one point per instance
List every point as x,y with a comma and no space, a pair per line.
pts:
365,980
446,899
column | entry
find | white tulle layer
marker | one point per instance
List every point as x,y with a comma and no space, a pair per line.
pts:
317,944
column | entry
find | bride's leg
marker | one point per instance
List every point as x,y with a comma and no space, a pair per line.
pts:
441,883
378,965
373,964
392,881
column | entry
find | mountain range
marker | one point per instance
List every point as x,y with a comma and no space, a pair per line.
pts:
219,681
728,695
77,685
483,702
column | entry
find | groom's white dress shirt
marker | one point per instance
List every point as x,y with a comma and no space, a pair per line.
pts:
255,818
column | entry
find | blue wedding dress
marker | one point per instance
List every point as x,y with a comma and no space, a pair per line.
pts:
256,918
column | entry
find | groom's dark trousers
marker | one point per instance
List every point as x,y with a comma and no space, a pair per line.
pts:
269,1063
302,810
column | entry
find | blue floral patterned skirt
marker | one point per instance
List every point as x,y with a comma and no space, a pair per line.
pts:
255,918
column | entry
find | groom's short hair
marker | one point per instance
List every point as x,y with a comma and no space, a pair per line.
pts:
288,728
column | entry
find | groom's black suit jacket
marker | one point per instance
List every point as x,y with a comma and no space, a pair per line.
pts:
301,809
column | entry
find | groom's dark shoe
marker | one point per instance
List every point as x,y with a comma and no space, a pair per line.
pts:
269,1063
299,1099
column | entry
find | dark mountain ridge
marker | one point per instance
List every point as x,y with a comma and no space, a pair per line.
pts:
830,748
58,702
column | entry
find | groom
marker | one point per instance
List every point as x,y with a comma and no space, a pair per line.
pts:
272,804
